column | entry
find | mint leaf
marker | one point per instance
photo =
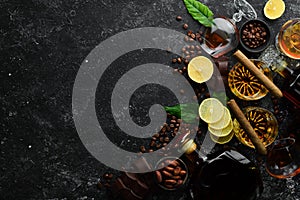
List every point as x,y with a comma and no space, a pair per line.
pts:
187,112
200,12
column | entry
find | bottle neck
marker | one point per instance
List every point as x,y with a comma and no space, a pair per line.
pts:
191,151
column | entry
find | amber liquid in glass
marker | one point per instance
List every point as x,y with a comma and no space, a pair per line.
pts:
221,38
281,161
216,39
289,39
263,122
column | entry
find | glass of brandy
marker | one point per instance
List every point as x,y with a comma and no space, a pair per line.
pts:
283,161
288,39
244,84
263,122
223,36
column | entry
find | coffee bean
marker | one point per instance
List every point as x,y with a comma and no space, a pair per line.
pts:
182,173
167,139
185,26
152,144
176,171
169,169
193,36
161,139
166,173
178,18
156,135
174,60
179,60
142,149
158,176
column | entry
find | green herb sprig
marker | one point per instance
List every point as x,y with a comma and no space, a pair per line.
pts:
199,12
188,112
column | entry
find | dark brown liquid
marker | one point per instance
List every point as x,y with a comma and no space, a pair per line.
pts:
216,39
291,88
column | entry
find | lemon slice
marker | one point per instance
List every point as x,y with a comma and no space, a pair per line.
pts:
211,110
221,140
223,132
200,69
223,122
274,9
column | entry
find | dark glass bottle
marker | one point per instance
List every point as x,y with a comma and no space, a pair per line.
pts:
291,87
224,175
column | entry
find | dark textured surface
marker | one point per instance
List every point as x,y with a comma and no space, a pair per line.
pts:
42,46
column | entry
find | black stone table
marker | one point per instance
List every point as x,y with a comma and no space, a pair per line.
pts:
42,46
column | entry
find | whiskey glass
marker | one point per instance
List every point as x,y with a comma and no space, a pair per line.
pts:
263,122
283,162
283,159
288,39
223,36
244,84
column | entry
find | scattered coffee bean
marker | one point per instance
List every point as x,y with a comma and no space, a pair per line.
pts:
178,18
185,26
193,36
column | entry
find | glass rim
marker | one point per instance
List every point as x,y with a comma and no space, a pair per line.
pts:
285,145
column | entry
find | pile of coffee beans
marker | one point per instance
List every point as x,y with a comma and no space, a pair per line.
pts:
172,175
254,34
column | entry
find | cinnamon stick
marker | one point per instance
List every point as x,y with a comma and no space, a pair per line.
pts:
259,146
258,74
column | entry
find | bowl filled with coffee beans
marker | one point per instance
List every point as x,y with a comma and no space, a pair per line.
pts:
172,174
255,35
